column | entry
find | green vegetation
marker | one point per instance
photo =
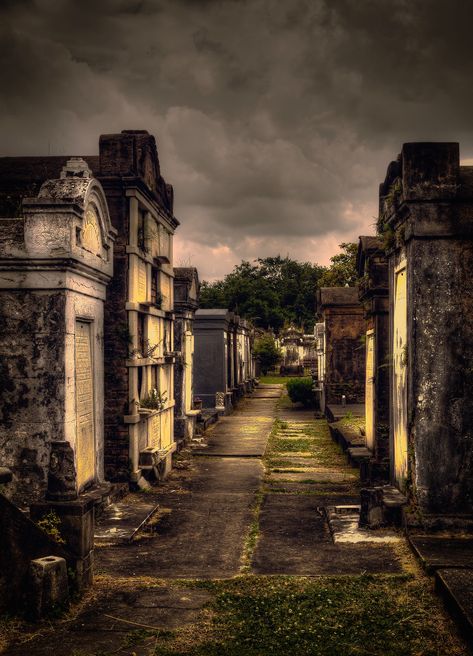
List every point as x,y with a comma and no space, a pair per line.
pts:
154,400
266,352
342,271
351,421
50,523
300,391
327,616
276,380
275,291
253,533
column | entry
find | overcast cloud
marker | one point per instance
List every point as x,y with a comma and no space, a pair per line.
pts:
275,119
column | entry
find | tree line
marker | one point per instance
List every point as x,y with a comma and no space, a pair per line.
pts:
274,291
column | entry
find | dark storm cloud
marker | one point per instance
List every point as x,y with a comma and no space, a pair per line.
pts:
275,120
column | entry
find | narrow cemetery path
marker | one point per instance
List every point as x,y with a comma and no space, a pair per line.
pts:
239,558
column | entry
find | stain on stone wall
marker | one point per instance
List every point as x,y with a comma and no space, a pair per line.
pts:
32,386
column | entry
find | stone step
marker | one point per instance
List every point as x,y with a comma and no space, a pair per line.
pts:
442,551
392,497
207,417
358,454
345,435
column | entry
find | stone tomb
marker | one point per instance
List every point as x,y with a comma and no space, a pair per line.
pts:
243,354
55,262
372,267
426,217
186,295
139,328
343,358
214,358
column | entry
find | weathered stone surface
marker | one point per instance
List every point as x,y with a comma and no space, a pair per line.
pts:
62,484
52,274
121,521
426,209
202,528
20,542
48,589
456,588
436,552
343,363
373,288
186,296
295,539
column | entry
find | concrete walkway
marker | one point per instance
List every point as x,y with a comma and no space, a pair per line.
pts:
252,500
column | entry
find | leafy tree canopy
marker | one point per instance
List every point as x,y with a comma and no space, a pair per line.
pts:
342,271
275,291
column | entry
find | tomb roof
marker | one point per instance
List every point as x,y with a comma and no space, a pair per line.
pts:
339,296
367,245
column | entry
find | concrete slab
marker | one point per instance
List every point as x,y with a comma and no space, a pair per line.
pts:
437,552
242,437
321,476
201,528
296,414
119,522
337,412
456,588
295,539
266,393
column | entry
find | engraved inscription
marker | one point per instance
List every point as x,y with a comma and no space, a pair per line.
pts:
142,282
84,404
153,431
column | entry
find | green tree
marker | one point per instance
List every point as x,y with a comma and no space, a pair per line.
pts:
267,352
271,292
342,271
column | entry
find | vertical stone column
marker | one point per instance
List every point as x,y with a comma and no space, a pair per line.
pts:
426,218
373,293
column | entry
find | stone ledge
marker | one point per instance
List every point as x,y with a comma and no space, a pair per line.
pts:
455,586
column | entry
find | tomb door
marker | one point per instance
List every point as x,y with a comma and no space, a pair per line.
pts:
370,389
399,411
85,419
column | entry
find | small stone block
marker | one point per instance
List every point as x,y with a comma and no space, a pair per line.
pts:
149,458
48,589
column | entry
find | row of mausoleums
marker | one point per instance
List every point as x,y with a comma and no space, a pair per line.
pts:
106,360
402,343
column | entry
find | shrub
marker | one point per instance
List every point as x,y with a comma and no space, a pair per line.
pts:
300,390
267,352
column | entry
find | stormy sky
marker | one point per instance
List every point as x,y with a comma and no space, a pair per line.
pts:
275,119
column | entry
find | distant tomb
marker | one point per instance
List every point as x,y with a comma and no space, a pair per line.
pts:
342,373
186,296
372,267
